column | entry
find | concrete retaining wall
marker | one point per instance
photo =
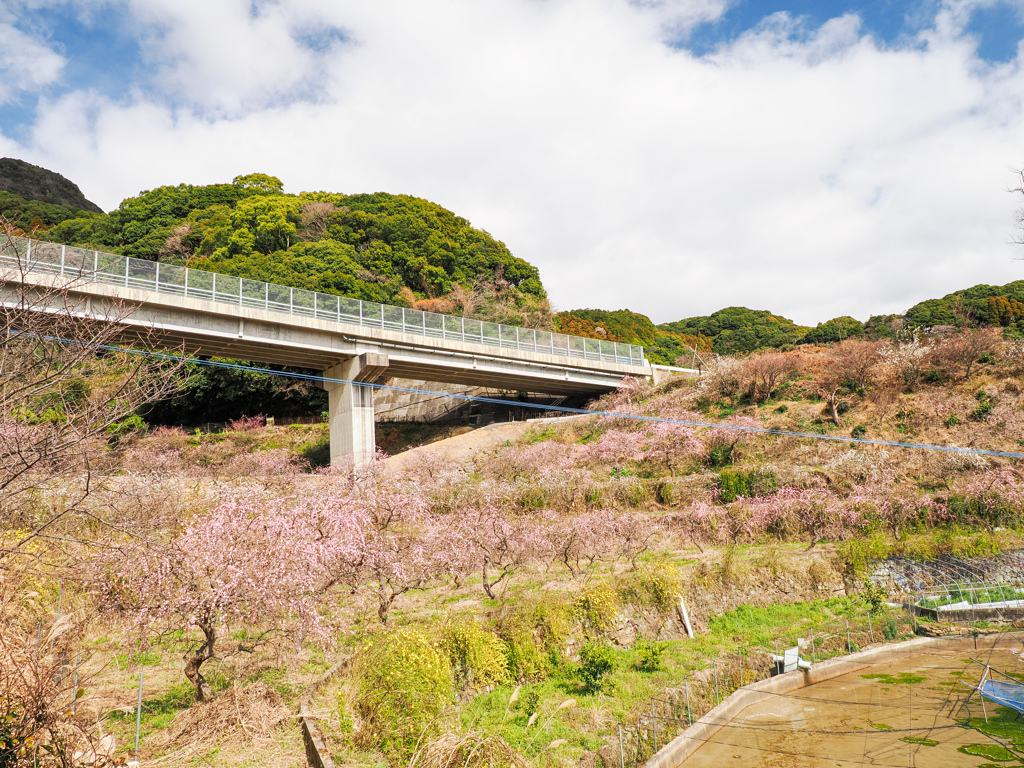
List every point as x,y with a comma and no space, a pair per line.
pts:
317,753
682,746
969,615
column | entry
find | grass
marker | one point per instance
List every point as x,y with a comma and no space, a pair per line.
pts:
903,678
1002,724
158,712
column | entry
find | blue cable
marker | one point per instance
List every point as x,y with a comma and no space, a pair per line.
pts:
567,409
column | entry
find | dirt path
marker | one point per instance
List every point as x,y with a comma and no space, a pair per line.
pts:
464,449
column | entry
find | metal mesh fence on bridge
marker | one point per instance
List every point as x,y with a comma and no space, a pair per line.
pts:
111,269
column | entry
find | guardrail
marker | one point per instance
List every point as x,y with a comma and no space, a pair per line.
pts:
111,269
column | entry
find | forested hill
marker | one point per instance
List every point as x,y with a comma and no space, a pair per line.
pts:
404,250
30,182
738,329
394,249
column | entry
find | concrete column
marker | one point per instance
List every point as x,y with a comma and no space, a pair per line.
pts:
351,421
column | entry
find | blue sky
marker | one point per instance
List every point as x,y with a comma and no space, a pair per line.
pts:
814,158
997,26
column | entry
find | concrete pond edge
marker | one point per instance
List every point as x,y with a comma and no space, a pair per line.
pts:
682,746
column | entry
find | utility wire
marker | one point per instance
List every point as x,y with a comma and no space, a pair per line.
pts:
560,408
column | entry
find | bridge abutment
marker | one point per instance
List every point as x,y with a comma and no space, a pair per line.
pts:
351,417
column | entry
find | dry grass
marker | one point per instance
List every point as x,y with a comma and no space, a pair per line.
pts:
466,750
239,716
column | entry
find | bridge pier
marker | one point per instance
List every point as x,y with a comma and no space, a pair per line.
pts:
351,417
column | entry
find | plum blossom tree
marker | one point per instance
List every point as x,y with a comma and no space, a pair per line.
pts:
405,544
580,541
962,350
263,564
673,444
720,442
618,446
503,542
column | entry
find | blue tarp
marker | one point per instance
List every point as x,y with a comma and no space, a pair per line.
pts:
1001,692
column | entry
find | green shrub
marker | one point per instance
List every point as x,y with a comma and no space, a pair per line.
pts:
733,483
530,703
952,421
648,654
318,454
119,430
478,657
855,555
524,659
597,606
666,493
653,584
403,682
890,630
874,596
984,409
859,431
782,409
551,619
594,496
632,492
595,665
720,455
534,497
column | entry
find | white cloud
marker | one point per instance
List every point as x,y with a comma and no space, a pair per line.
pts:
26,63
813,174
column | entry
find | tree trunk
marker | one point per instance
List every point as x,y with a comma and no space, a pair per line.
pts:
202,654
384,606
832,403
489,585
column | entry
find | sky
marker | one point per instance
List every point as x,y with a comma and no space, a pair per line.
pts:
812,157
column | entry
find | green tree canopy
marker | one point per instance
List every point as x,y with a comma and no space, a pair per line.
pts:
836,329
738,329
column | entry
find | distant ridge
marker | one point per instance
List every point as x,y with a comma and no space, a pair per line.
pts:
34,183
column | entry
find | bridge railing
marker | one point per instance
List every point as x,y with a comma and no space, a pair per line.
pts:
111,269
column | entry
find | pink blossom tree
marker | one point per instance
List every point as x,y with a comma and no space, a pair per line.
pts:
502,542
673,444
264,565
581,541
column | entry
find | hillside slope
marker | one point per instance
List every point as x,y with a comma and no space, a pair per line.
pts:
34,183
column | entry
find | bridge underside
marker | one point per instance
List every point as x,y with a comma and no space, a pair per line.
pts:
351,354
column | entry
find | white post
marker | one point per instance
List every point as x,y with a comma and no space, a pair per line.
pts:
74,695
63,254
686,618
138,719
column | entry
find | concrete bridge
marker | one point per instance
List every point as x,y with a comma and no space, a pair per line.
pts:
355,341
